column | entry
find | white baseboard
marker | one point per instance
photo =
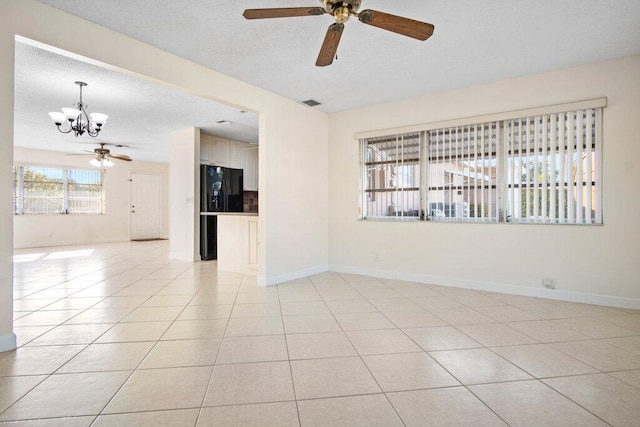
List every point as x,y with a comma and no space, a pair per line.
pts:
555,294
49,243
8,342
182,257
262,281
274,280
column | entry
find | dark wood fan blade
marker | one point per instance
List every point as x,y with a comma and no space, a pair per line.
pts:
120,157
330,45
282,12
397,24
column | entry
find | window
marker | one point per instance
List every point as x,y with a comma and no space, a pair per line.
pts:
462,170
539,168
46,190
84,192
392,168
552,168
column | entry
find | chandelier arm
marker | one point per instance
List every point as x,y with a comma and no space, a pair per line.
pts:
86,127
78,129
64,131
83,122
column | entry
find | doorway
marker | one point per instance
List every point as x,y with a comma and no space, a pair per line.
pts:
146,205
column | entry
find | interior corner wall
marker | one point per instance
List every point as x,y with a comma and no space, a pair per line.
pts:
112,226
596,264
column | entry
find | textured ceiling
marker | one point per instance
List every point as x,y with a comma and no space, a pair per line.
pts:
474,42
142,114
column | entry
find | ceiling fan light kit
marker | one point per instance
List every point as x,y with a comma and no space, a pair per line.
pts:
103,157
77,119
342,10
101,162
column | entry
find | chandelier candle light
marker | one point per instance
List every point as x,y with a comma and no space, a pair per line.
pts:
78,119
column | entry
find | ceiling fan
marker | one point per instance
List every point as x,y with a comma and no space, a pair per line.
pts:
342,10
104,156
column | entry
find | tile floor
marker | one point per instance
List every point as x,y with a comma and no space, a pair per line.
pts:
115,334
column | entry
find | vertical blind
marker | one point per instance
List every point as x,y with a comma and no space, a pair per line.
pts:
42,190
534,169
85,191
392,176
462,172
553,168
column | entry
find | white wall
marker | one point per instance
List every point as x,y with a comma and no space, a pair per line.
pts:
293,194
114,225
600,260
293,137
183,195
7,338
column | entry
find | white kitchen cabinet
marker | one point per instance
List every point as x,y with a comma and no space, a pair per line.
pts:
235,154
252,263
214,150
205,149
219,151
250,167
238,243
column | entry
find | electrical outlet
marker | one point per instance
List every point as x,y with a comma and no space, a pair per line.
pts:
548,283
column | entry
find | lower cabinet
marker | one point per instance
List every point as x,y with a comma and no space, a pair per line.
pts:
253,244
238,243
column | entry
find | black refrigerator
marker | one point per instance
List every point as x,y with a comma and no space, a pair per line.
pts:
221,190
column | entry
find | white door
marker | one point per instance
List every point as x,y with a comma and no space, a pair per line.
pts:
146,205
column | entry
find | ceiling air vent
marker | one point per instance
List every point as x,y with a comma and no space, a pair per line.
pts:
311,103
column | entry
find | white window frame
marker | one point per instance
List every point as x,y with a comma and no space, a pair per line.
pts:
390,197
543,146
20,190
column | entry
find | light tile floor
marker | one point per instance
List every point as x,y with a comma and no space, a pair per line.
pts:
116,334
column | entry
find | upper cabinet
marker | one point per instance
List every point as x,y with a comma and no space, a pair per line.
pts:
250,166
219,151
231,154
235,154
205,148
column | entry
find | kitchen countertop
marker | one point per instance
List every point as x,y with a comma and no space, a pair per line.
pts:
229,213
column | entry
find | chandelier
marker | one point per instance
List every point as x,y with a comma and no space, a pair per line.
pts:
78,120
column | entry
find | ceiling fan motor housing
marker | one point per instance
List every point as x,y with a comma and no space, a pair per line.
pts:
341,9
